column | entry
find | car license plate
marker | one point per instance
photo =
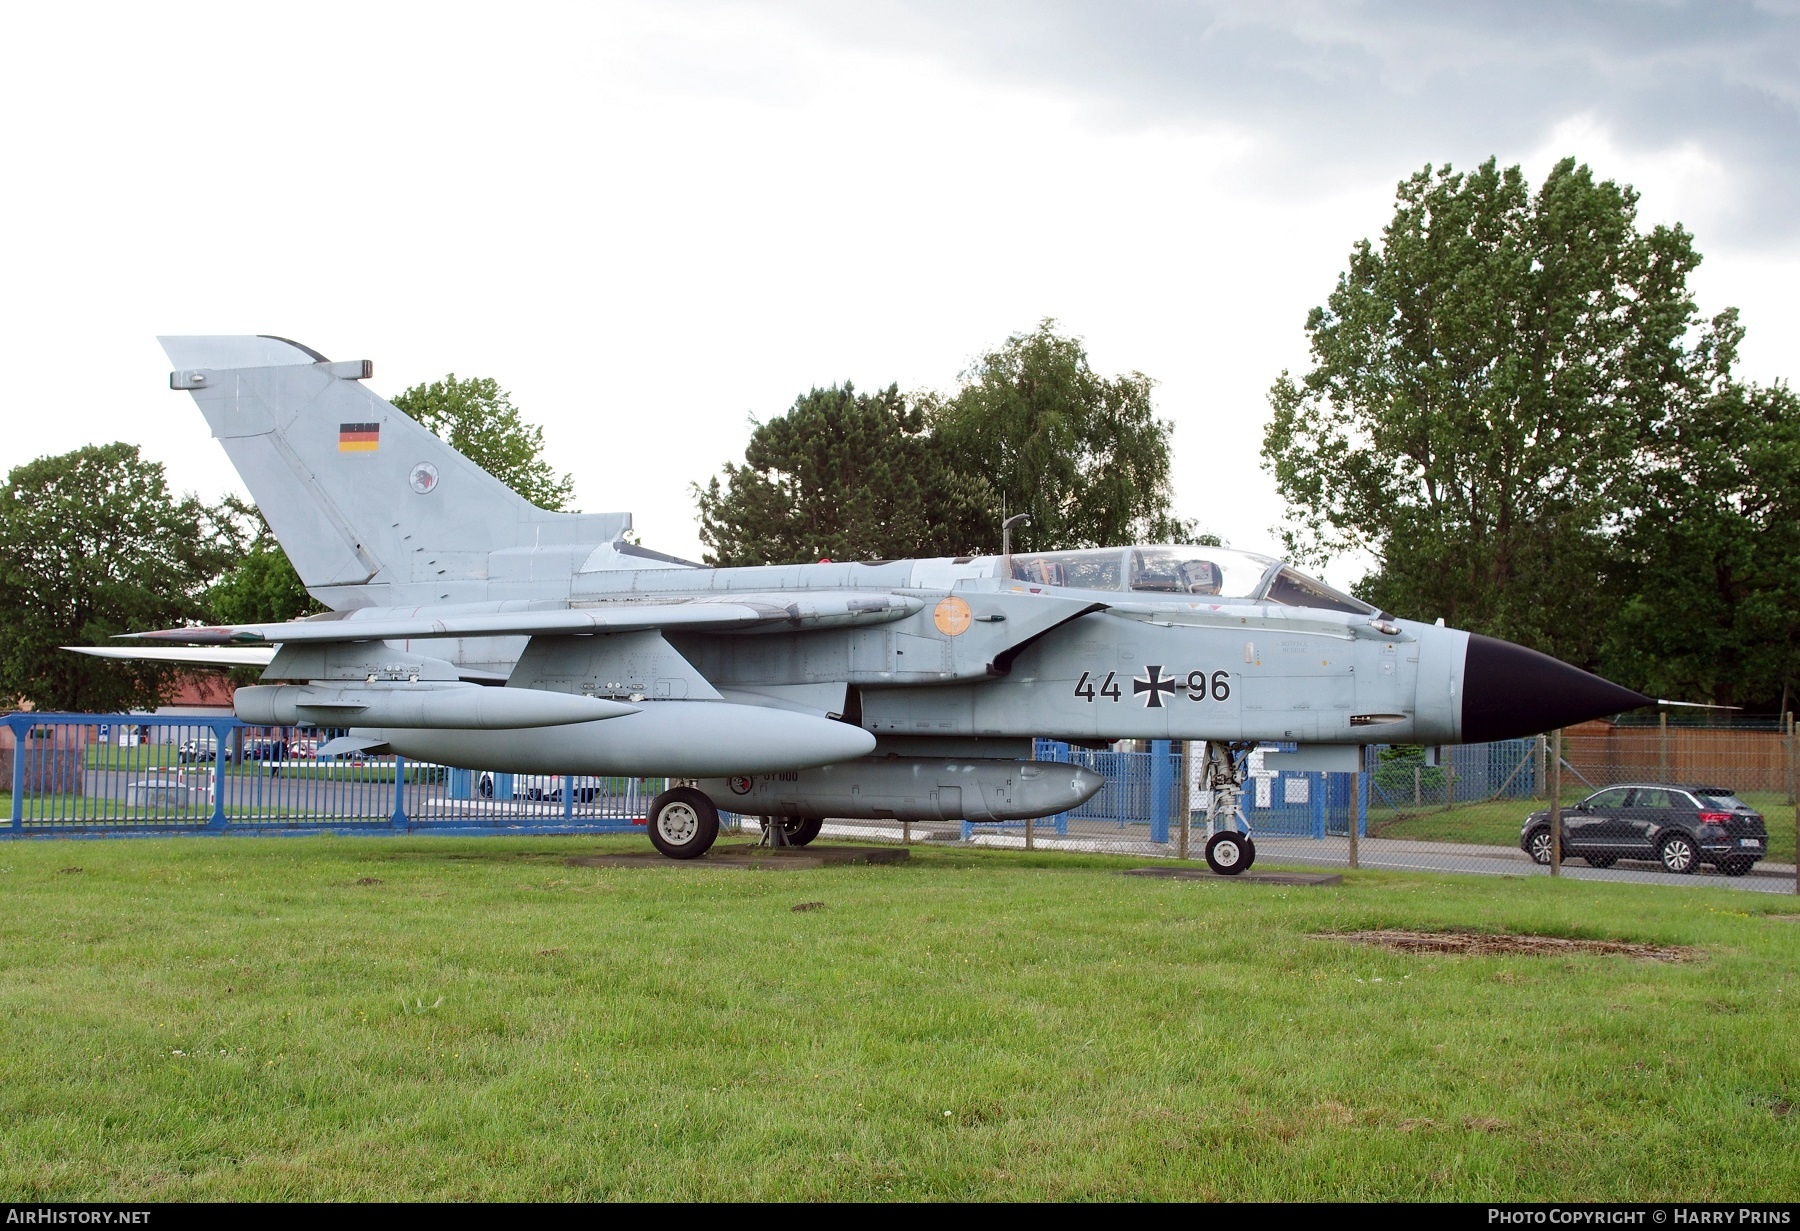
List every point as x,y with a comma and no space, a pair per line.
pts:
1749,841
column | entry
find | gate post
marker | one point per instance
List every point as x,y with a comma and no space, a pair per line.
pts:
18,775
398,820
221,750
1359,790
1184,803
1556,802
1161,787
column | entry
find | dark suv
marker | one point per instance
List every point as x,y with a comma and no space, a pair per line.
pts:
1679,826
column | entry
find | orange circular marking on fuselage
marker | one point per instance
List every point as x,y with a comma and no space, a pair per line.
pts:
952,617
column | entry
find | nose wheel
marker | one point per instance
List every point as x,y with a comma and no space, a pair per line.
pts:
1229,853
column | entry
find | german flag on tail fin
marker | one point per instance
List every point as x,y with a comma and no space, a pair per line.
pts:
359,437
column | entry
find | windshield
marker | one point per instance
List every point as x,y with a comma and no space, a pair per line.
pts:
1292,588
1731,803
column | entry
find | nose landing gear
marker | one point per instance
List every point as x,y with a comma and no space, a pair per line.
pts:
1229,850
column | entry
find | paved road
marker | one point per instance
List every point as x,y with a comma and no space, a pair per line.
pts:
1390,854
1398,855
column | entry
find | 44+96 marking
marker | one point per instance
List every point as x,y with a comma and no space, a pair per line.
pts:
1152,686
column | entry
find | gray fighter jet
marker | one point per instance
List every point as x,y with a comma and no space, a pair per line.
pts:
470,628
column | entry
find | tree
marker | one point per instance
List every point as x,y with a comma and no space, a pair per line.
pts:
477,418
1083,454
1711,554
1482,382
1033,429
262,587
846,476
93,543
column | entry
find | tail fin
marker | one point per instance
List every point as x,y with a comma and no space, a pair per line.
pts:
359,494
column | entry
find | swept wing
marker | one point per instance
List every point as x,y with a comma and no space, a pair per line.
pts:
739,613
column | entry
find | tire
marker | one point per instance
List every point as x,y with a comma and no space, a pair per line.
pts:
1229,853
1736,865
1539,846
799,830
486,786
1679,854
1601,861
683,823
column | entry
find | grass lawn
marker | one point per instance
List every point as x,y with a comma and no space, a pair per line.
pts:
1496,823
472,1018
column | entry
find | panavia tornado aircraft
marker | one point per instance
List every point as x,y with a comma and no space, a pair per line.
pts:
471,628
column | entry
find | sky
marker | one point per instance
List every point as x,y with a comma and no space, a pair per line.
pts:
652,222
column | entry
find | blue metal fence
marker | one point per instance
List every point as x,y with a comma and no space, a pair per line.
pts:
91,774
1143,790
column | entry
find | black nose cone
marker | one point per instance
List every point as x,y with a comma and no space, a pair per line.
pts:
1510,691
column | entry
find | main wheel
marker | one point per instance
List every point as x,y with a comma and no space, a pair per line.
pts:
1678,854
1229,852
798,830
1538,846
683,823
1601,861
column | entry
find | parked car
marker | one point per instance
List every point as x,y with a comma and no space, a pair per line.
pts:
543,787
265,750
1680,826
199,750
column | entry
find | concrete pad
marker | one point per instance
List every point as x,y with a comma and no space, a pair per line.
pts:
768,859
1258,878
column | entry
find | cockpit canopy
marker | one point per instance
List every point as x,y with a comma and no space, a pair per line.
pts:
1194,572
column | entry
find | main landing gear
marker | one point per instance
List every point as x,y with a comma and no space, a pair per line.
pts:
683,823
1228,850
780,831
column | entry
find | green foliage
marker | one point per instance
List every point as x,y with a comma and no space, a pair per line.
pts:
1711,555
262,588
842,475
93,543
1482,383
1033,429
1084,454
477,418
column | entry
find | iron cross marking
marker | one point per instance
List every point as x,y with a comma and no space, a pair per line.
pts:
1156,686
